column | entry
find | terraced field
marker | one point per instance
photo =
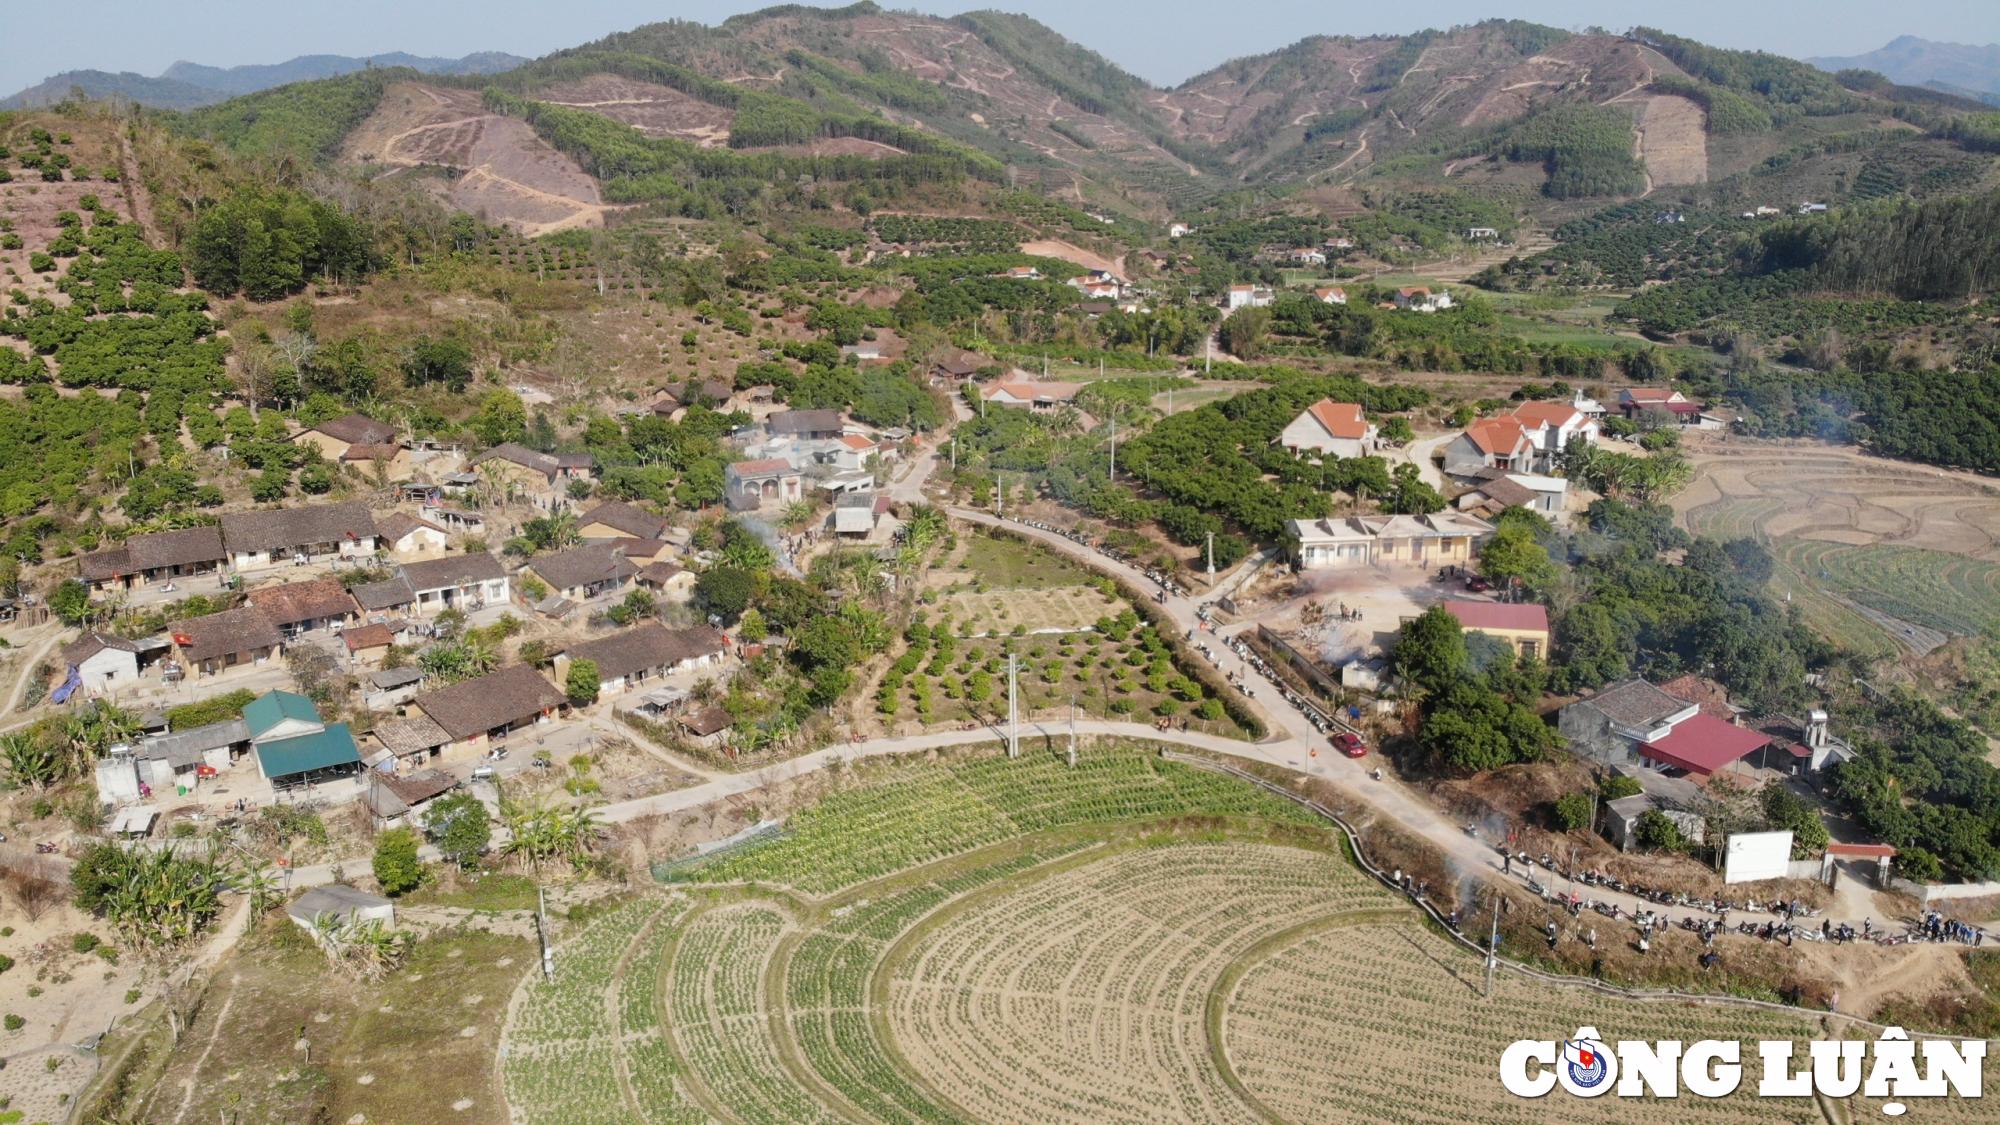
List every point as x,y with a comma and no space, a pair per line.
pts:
1880,555
1018,943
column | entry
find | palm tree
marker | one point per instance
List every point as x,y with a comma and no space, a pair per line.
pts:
798,514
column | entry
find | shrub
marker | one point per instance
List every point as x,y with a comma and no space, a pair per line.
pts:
396,865
1616,785
85,942
15,1023
1571,812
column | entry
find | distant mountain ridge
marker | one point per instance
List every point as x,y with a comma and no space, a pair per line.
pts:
187,85
1923,62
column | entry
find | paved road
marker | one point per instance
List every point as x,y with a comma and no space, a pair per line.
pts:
1418,453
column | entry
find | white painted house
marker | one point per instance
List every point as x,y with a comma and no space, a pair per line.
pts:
1330,428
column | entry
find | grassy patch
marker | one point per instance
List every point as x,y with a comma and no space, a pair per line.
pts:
281,1037
1012,565
491,891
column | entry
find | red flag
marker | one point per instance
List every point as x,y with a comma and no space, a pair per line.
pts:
183,639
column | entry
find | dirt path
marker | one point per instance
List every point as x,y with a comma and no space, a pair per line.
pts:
28,670
1069,252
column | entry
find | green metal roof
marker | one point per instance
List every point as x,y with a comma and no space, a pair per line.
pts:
333,746
274,707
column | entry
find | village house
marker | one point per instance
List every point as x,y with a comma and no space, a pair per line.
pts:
413,742
618,520
1418,298
1552,424
367,644
853,452
1042,398
294,745
676,398
394,800
391,598
335,436
404,535
466,582
1634,402
390,688
1495,490
858,513
1441,539
1176,230
1334,296
102,662
582,573
707,726
163,556
1637,723
538,478
951,371
1308,256
298,608
642,551
1247,296
628,659
1020,273
1330,428
264,539
1491,443
1479,234
1524,628
378,462
339,907
806,425
749,485
478,711
219,643
167,759
671,581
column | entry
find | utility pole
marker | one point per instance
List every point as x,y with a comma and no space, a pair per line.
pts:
1208,356
1493,944
1114,448
1013,709
954,455
1211,560
1072,732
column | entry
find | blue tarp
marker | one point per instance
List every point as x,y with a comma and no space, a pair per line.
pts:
68,688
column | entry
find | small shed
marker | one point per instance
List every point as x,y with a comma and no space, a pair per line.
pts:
134,820
708,724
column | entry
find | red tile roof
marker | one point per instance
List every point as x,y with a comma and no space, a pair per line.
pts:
766,465
1705,744
1549,413
1499,615
1498,435
1341,419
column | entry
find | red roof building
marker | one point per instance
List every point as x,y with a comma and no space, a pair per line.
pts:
1499,616
1705,745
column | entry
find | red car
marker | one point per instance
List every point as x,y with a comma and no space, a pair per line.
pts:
1350,745
1477,584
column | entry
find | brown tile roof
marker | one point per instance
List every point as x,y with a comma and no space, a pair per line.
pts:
1636,703
413,735
176,548
219,634
302,601
707,721
373,596
639,548
90,644
247,532
520,455
761,466
582,566
102,566
355,429
805,422
454,570
1508,493
646,647
493,700
395,525
637,522
660,573
368,636
371,453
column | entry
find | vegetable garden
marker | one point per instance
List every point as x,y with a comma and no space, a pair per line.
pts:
982,939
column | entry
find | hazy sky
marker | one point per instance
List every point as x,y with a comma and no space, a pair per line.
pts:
1164,41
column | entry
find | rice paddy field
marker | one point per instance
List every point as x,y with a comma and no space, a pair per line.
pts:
1881,556
985,941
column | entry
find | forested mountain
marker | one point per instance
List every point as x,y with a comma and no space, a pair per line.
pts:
186,85
1918,62
1504,109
